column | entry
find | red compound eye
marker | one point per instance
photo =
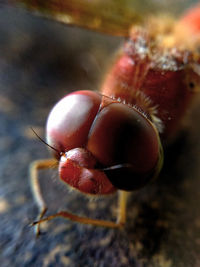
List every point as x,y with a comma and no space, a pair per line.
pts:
120,135
70,120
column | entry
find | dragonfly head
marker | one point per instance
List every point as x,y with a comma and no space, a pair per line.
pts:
105,144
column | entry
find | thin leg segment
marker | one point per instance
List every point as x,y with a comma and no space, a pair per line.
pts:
119,223
122,203
34,168
79,219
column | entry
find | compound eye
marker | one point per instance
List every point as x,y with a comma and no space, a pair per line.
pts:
69,121
120,135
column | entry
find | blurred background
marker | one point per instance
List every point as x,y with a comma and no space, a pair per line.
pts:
40,62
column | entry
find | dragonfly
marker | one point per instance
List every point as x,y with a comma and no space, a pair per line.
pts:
112,140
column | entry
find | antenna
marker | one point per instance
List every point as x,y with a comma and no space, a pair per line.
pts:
45,142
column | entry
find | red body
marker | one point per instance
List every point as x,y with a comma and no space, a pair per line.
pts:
111,140
160,84
192,20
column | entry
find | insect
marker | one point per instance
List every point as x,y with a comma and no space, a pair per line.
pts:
111,140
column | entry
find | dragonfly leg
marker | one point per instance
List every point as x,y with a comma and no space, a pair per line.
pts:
122,202
118,224
34,168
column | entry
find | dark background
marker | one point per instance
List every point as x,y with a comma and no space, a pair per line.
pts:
41,61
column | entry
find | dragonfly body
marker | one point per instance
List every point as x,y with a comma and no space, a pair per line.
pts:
159,82
143,99
112,139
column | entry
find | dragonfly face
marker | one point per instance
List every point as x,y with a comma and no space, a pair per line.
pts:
104,143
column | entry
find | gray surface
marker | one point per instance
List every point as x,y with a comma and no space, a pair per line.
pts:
41,61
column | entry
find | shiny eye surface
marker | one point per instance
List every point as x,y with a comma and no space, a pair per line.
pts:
123,137
120,134
70,120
